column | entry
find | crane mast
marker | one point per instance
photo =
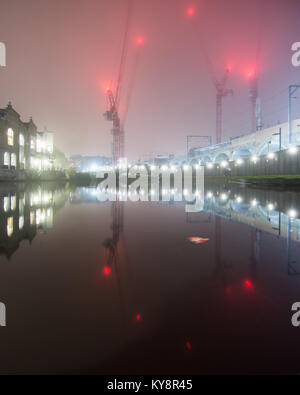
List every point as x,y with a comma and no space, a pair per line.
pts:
222,91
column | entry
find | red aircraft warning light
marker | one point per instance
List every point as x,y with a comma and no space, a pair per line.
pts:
140,41
250,74
190,11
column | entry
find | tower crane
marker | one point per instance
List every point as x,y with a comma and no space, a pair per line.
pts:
222,91
115,246
113,100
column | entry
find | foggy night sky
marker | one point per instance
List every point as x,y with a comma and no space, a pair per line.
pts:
62,53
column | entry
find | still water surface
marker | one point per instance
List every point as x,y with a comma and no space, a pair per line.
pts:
93,287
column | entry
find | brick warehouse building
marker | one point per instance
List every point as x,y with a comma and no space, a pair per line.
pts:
22,147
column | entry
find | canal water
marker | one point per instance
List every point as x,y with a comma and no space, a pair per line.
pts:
147,287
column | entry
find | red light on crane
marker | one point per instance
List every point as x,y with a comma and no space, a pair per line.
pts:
190,11
229,67
138,317
250,74
140,41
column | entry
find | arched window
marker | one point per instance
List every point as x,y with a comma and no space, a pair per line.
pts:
21,140
6,159
13,202
32,143
21,222
10,226
10,137
13,159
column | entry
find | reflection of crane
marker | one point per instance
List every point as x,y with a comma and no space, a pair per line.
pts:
115,246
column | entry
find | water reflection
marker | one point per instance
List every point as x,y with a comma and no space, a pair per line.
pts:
26,210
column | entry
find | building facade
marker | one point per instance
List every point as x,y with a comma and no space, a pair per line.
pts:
22,147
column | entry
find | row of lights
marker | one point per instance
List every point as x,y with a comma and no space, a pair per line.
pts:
291,213
254,158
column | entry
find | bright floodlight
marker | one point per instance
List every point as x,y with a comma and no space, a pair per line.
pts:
209,195
254,203
186,167
224,163
271,155
254,158
270,207
210,165
239,162
224,196
239,199
292,213
293,150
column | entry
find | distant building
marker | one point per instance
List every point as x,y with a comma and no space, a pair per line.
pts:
89,163
22,147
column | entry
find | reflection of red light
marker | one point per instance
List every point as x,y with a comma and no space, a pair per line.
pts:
191,11
140,41
228,290
197,240
248,284
107,270
138,317
188,345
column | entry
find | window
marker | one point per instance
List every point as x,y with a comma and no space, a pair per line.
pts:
10,226
13,202
13,159
32,218
32,143
6,204
21,140
21,222
6,159
39,145
10,137
21,156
